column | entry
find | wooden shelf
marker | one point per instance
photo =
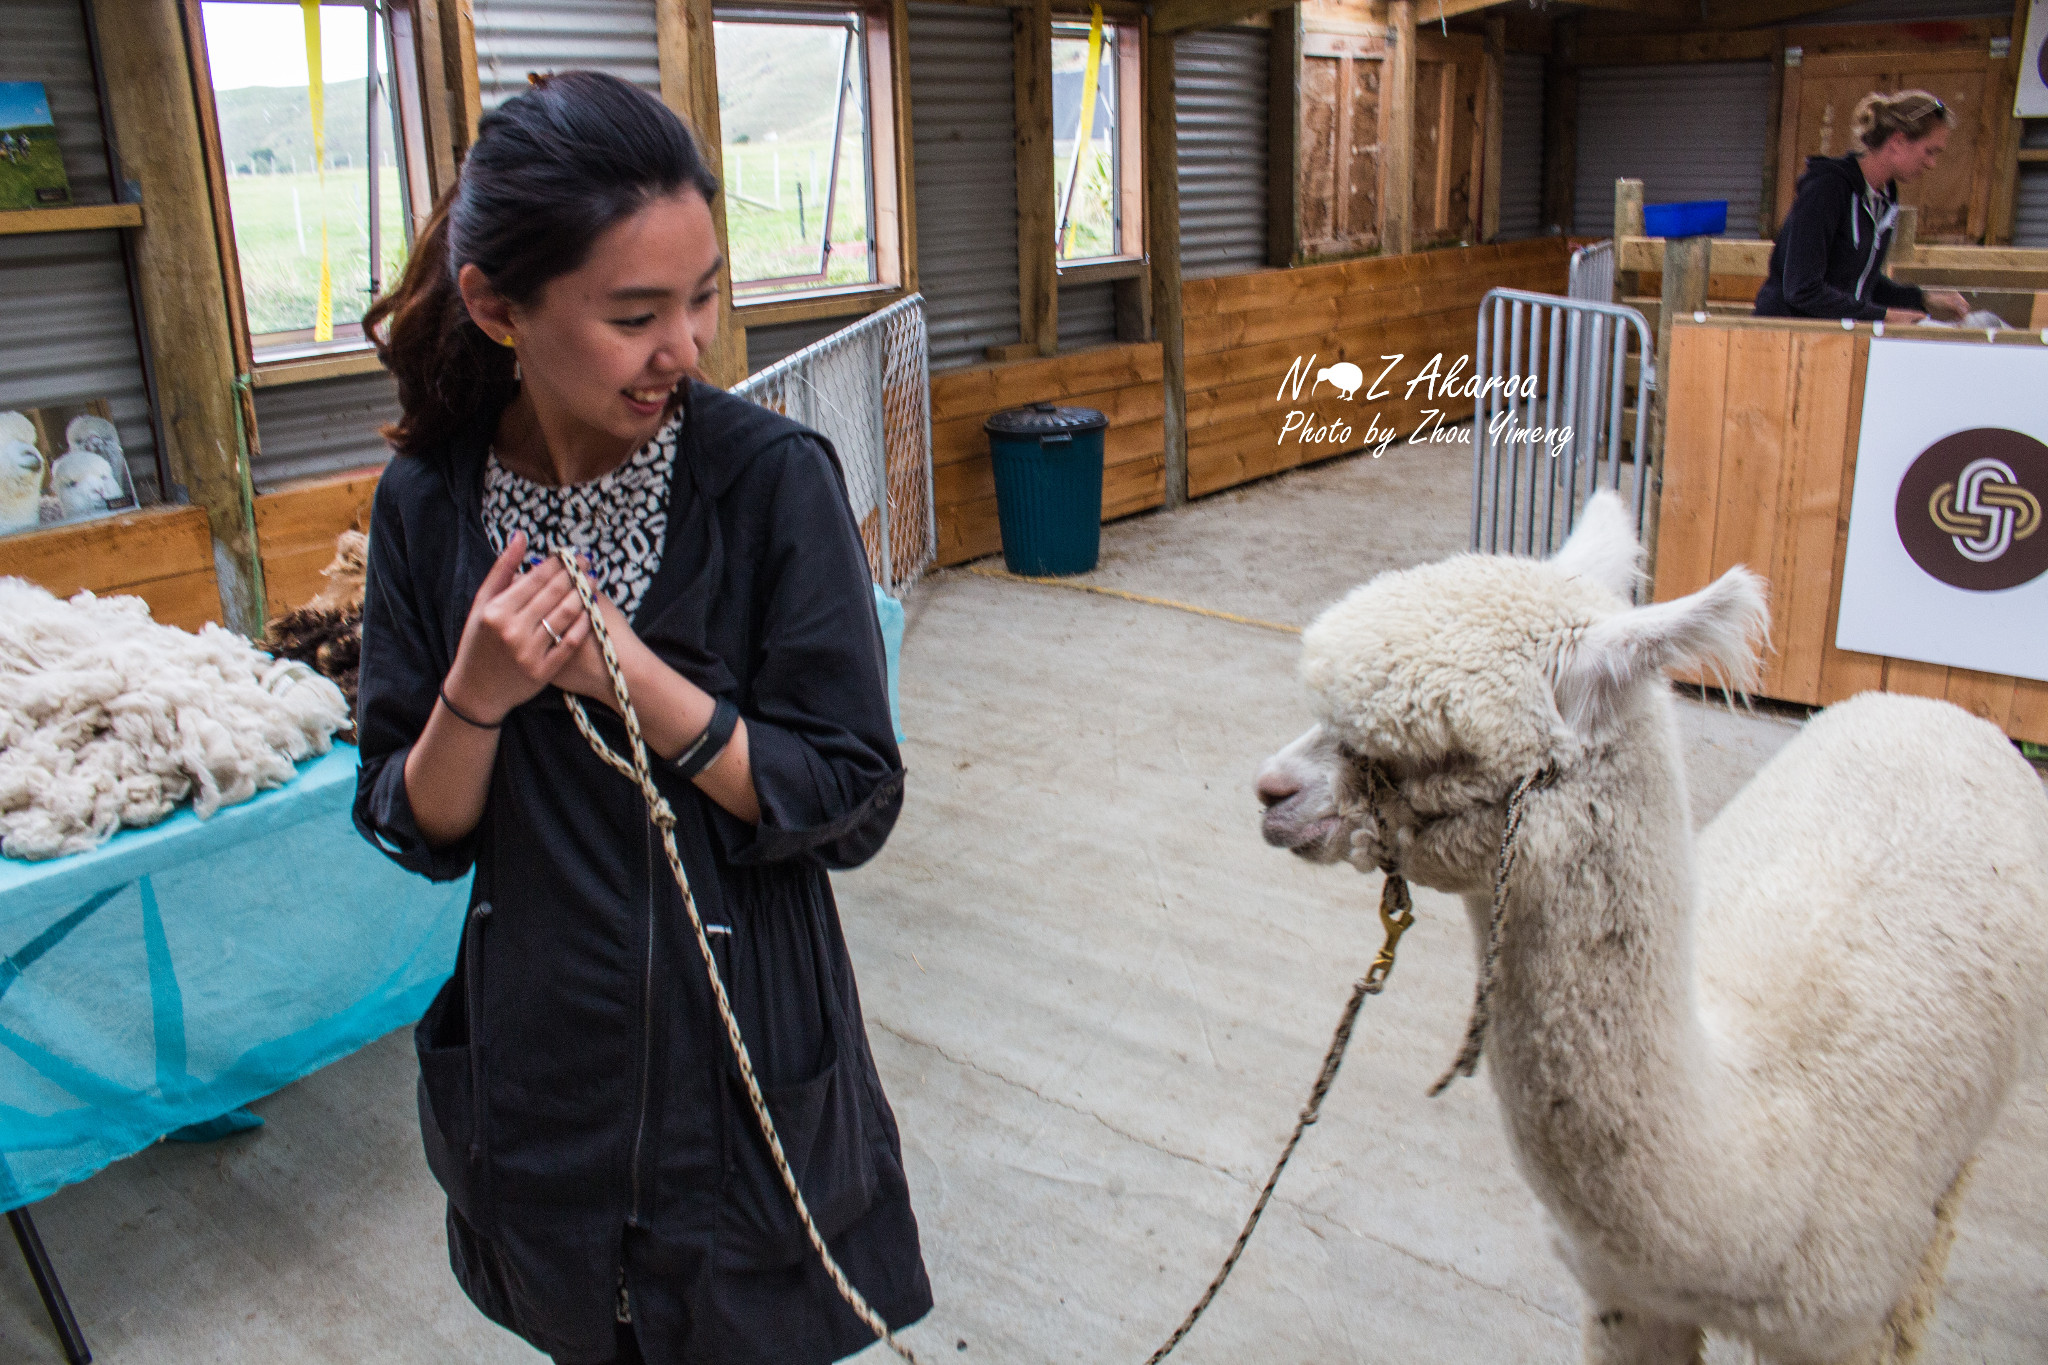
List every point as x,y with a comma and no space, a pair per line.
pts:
2034,154
82,218
311,369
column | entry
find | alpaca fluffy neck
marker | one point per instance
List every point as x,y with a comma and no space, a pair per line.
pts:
1598,1053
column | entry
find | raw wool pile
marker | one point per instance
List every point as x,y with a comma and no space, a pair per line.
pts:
109,719
328,631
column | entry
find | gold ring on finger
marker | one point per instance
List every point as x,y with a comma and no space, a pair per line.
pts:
550,630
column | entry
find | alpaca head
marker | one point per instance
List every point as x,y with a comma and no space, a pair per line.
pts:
1442,686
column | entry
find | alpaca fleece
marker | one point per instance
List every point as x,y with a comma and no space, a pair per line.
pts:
327,632
1747,1070
109,719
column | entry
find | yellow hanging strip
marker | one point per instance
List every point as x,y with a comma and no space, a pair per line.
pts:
316,96
1086,132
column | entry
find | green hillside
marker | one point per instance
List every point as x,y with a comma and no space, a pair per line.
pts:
270,127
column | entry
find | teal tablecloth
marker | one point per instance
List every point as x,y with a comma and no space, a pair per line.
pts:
180,971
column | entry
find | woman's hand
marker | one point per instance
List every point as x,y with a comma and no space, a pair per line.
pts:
507,654
1903,317
1946,304
584,672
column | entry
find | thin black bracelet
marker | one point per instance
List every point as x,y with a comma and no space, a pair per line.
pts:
456,712
701,752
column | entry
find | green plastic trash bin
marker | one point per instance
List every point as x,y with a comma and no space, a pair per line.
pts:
1048,463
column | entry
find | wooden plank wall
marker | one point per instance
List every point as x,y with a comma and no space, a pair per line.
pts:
164,555
1124,383
296,526
1245,331
1759,465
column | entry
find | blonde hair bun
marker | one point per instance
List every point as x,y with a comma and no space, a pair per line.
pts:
1912,112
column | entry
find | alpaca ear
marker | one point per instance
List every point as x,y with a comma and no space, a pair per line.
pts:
1714,630
1603,548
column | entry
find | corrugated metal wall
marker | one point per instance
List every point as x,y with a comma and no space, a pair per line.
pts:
2030,222
1521,146
766,345
1087,315
1220,87
963,127
45,41
323,427
514,37
72,336
1687,132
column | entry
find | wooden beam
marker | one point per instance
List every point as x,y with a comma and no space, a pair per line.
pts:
1774,113
1740,14
1179,16
688,61
1283,148
79,218
181,292
1561,124
1397,132
436,109
1162,222
1038,295
1672,49
1493,93
463,93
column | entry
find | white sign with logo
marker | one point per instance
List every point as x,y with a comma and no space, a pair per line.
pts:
1947,561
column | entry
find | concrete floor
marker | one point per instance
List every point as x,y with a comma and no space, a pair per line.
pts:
1097,1000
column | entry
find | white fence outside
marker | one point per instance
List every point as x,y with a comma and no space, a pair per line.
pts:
867,389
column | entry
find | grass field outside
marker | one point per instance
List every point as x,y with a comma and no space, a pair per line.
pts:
277,236
767,231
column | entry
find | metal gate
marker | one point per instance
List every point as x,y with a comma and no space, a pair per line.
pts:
867,389
1592,274
1559,415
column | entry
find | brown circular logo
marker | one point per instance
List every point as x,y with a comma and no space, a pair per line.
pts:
1969,509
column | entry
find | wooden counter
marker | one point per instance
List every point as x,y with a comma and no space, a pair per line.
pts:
1759,465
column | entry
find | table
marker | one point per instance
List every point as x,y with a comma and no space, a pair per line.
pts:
181,971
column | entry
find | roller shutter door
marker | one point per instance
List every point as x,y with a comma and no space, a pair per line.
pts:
963,128
303,430
1521,147
1687,132
1220,86
2030,222
515,37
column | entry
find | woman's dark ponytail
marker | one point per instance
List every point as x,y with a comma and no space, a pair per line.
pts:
551,170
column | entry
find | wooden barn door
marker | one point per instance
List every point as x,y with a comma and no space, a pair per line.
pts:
1450,135
1821,94
1340,143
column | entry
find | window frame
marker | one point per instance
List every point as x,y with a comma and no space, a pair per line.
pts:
406,40
890,217
1129,257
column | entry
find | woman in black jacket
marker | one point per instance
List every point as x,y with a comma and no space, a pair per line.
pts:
1828,261
610,1195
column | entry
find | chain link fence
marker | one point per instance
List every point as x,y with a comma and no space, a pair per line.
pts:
867,389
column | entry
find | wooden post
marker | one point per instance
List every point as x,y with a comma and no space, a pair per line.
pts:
1905,236
1628,222
906,163
1397,132
1493,93
179,285
1038,294
436,108
458,72
689,85
1767,201
1162,232
1686,263
1283,148
2001,83
1561,124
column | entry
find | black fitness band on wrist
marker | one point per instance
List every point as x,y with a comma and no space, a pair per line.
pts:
456,712
701,752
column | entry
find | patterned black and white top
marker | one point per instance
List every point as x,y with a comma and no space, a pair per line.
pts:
619,520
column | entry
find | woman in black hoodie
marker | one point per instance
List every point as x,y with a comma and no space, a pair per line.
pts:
1829,258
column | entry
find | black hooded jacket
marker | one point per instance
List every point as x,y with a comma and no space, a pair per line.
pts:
1828,261
577,1098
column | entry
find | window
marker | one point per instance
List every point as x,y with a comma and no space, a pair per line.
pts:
323,207
809,179
1097,172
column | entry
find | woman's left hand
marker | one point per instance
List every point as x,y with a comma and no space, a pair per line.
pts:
585,674
1946,304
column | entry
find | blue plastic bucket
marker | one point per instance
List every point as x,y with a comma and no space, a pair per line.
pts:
1699,218
1048,467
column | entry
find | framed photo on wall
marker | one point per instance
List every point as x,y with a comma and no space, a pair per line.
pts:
61,463
31,164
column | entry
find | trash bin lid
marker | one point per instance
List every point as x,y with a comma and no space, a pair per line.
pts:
1044,419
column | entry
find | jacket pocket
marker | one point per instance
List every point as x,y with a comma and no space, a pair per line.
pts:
824,1136
451,1087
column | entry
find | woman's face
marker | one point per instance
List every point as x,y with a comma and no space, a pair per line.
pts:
1907,159
604,345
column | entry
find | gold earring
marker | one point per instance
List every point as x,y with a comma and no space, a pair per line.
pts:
515,358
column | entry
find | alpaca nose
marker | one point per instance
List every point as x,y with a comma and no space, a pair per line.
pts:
1275,786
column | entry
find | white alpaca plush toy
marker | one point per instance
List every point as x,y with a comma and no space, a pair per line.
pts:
84,482
21,483
1745,1072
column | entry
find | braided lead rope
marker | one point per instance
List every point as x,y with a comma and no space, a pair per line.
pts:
663,818
1467,1060
1396,914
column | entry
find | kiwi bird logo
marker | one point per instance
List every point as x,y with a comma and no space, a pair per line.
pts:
1343,376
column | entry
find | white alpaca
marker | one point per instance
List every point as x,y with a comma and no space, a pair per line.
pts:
21,484
1746,1073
